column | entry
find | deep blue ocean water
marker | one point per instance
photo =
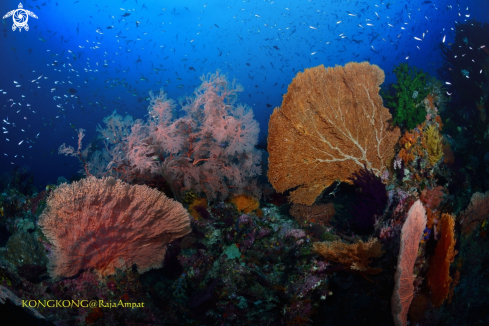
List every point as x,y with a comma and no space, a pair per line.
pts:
81,60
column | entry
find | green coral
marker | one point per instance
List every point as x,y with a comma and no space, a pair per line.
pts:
232,252
410,91
24,225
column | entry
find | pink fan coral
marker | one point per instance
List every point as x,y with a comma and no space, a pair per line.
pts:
106,224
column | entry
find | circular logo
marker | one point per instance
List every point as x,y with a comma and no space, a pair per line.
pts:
20,18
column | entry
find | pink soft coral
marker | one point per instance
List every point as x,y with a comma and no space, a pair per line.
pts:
212,148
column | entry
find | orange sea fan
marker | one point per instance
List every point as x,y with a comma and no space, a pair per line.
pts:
356,256
438,276
318,213
331,123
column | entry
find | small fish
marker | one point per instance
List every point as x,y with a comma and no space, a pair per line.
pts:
444,38
126,14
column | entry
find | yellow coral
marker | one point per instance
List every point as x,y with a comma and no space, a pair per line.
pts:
245,203
433,144
202,202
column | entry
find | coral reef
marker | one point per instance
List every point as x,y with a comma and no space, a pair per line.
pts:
391,241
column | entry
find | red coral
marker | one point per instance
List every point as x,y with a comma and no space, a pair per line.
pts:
438,276
432,197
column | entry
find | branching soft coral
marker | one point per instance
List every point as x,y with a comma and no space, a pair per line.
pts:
356,256
410,146
211,149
